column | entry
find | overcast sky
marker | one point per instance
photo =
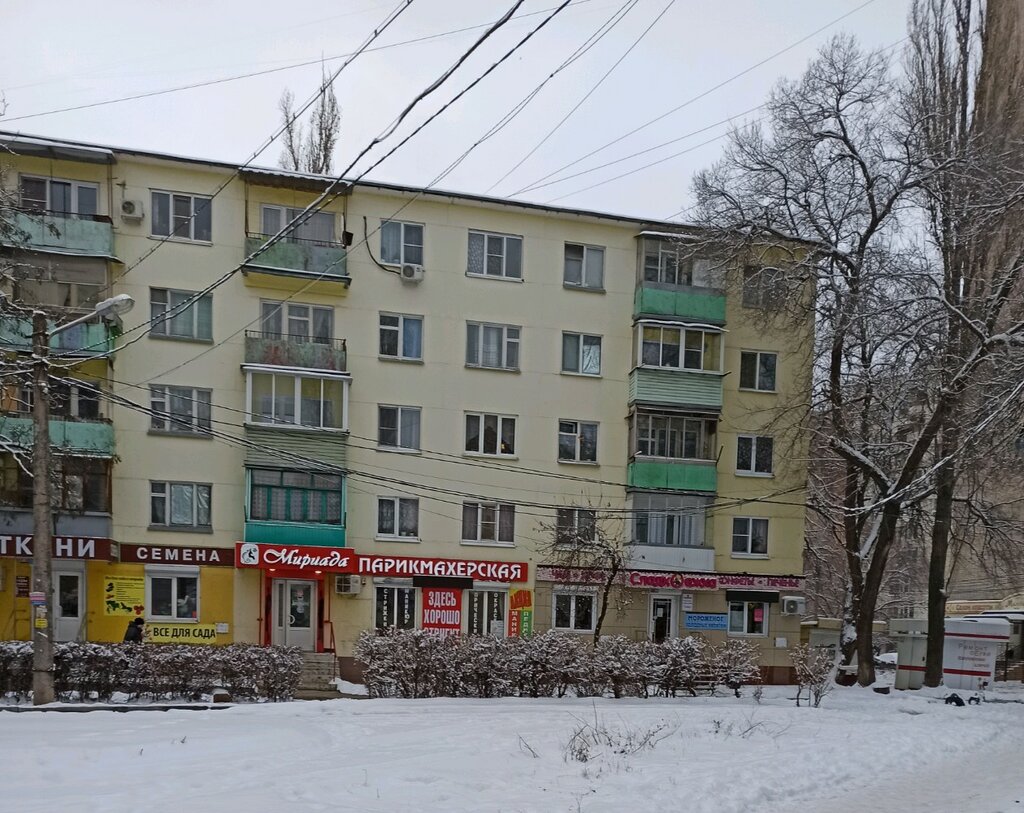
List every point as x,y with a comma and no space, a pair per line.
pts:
61,54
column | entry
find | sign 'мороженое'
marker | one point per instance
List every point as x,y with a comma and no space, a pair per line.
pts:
343,560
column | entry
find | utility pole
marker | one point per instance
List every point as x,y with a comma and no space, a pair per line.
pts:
42,512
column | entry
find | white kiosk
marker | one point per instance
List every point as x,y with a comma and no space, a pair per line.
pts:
969,654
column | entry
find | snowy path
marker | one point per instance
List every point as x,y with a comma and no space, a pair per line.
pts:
721,755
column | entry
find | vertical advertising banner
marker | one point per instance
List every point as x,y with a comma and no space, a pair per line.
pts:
442,609
520,616
124,595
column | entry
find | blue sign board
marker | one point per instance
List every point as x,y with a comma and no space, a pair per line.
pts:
706,621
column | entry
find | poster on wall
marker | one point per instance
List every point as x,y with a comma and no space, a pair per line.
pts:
706,621
124,595
158,633
520,616
442,609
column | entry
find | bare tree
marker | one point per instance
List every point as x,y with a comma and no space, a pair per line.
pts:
832,183
594,546
310,147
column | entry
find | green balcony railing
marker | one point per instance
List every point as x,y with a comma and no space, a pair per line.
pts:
66,436
678,388
294,533
88,235
86,339
294,351
699,304
688,475
297,257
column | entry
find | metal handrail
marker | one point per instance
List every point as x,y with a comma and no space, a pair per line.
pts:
34,210
291,238
294,338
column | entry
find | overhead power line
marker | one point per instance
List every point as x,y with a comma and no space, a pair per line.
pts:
693,99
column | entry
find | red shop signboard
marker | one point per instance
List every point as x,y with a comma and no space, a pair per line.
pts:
442,609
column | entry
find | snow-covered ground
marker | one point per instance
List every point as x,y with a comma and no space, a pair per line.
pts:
860,752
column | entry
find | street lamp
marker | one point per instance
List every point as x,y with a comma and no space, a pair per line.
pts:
42,507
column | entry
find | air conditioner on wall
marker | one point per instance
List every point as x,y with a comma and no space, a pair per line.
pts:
794,605
347,584
412,273
132,210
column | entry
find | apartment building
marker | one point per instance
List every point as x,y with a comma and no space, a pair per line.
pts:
378,420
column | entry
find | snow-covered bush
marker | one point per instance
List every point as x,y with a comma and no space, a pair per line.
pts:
814,667
734,664
97,671
419,663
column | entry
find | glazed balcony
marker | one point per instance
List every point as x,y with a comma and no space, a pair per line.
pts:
63,233
86,339
675,388
283,350
270,532
683,302
678,475
292,263
84,437
671,557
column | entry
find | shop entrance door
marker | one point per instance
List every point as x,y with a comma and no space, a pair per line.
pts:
664,618
68,605
295,613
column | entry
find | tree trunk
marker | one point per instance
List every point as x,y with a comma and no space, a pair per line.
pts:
945,486
606,591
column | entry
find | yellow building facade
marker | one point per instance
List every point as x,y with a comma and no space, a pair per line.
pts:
380,419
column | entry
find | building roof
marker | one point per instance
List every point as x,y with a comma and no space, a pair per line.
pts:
21,144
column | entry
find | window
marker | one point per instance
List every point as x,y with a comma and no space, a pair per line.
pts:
297,323
173,597
750,536
297,400
295,496
184,410
494,346
488,522
180,315
317,228
398,517
487,612
401,336
401,243
79,484
490,434
680,348
180,505
186,217
748,618
667,262
674,436
757,371
398,427
495,255
754,454
584,266
575,526
396,608
667,519
581,354
59,196
763,287
577,442
66,400
574,612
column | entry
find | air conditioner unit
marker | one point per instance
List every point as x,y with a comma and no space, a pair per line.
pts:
347,584
794,605
132,210
412,273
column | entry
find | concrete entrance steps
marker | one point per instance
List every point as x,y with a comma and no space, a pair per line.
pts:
318,669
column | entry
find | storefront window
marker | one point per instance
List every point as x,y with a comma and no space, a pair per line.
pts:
396,607
574,611
174,597
487,612
748,618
